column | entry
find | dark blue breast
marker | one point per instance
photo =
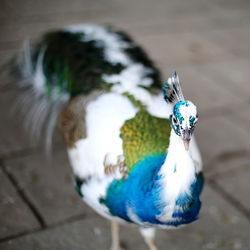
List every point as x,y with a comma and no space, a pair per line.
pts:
188,204
141,192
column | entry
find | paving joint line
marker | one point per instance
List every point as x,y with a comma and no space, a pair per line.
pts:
12,237
228,198
226,155
18,153
217,188
51,226
226,172
28,151
24,197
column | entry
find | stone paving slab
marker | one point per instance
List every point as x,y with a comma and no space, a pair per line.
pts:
197,22
231,4
220,226
236,184
12,134
228,162
218,135
18,30
181,48
169,16
242,116
232,75
139,8
231,172
28,7
15,216
235,40
48,183
5,56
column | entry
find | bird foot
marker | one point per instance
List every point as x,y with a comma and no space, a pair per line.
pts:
115,167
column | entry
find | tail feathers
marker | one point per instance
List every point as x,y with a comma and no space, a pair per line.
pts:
39,110
172,90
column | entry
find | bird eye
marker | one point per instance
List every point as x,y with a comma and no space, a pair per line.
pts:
174,120
196,119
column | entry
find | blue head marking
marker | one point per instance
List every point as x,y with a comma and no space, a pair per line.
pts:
164,88
177,112
192,121
184,117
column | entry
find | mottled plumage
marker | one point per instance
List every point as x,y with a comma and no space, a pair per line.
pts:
125,142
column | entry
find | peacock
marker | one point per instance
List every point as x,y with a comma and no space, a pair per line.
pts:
128,135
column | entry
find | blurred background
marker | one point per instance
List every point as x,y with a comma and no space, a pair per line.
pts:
208,44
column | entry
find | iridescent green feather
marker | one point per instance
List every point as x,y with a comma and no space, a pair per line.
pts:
75,65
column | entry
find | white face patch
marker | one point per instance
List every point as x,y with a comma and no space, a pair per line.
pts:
187,110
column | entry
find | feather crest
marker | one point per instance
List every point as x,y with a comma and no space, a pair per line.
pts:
172,90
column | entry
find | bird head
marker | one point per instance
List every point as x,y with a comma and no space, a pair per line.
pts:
183,120
184,116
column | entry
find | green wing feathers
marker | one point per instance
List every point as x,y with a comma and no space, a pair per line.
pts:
72,65
75,62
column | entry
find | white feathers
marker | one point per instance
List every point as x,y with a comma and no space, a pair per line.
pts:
175,82
93,191
178,173
156,106
38,76
186,110
27,65
39,110
104,118
195,154
130,77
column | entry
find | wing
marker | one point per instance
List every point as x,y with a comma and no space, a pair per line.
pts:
76,59
79,59
143,136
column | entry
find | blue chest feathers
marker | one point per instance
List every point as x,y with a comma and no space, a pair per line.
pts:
138,199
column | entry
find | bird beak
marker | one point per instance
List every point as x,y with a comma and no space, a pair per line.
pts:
186,144
186,136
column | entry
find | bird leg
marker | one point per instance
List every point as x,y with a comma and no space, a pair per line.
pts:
118,169
149,236
115,236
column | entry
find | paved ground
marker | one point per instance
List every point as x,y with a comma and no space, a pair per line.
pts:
208,43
